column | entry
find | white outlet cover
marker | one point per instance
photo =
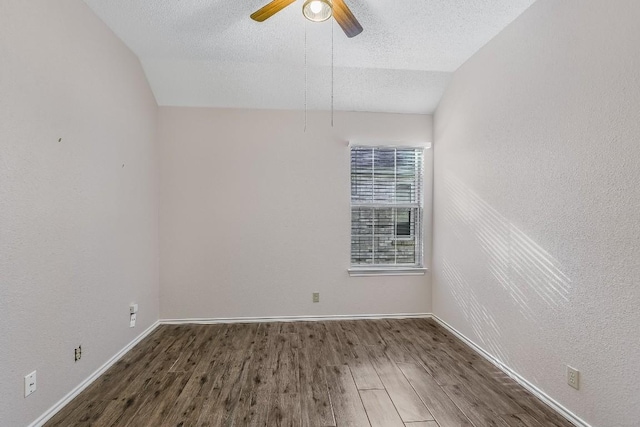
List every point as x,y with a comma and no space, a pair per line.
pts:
29,384
573,377
132,320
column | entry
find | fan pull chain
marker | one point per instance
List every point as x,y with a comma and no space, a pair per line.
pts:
305,75
332,72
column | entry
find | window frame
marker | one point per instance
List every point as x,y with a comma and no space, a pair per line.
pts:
418,268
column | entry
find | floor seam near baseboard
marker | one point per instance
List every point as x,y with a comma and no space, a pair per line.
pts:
539,394
320,318
57,407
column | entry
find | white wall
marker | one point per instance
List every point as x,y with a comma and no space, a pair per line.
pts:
78,223
255,214
537,203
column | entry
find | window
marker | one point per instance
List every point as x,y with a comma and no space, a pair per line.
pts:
386,207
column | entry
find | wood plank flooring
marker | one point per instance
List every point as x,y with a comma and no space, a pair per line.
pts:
379,373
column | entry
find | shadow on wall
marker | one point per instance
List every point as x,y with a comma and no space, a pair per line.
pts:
531,278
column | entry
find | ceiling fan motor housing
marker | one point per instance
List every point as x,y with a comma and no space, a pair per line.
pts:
317,10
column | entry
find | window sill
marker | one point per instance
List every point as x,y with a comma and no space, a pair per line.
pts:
387,271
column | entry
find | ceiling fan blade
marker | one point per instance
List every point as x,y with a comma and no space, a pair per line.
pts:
270,9
345,19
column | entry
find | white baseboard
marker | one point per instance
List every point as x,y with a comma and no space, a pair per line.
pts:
555,405
213,321
42,419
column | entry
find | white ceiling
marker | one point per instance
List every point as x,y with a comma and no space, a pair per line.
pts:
210,53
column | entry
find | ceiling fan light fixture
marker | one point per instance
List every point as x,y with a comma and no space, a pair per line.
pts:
317,10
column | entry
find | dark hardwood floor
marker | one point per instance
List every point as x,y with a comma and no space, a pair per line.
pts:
386,373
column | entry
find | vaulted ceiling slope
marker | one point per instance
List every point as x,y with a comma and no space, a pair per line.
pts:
210,53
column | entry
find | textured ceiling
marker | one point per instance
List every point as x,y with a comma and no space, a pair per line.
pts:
210,53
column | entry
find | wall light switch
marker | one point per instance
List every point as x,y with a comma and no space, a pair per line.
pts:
133,308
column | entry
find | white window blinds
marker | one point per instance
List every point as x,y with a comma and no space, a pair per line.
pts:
386,206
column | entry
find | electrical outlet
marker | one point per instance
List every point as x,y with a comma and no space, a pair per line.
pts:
77,353
573,377
316,297
132,320
29,384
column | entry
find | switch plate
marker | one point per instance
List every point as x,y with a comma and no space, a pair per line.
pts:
133,308
573,377
132,320
29,384
316,297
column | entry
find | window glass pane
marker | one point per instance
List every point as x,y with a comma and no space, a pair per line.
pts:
385,250
384,221
409,171
403,222
406,251
361,175
405,193
384,175
361,236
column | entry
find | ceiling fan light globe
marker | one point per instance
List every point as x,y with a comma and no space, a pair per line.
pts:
317,10
315,6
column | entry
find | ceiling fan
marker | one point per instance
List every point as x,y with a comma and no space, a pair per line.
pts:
316,11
